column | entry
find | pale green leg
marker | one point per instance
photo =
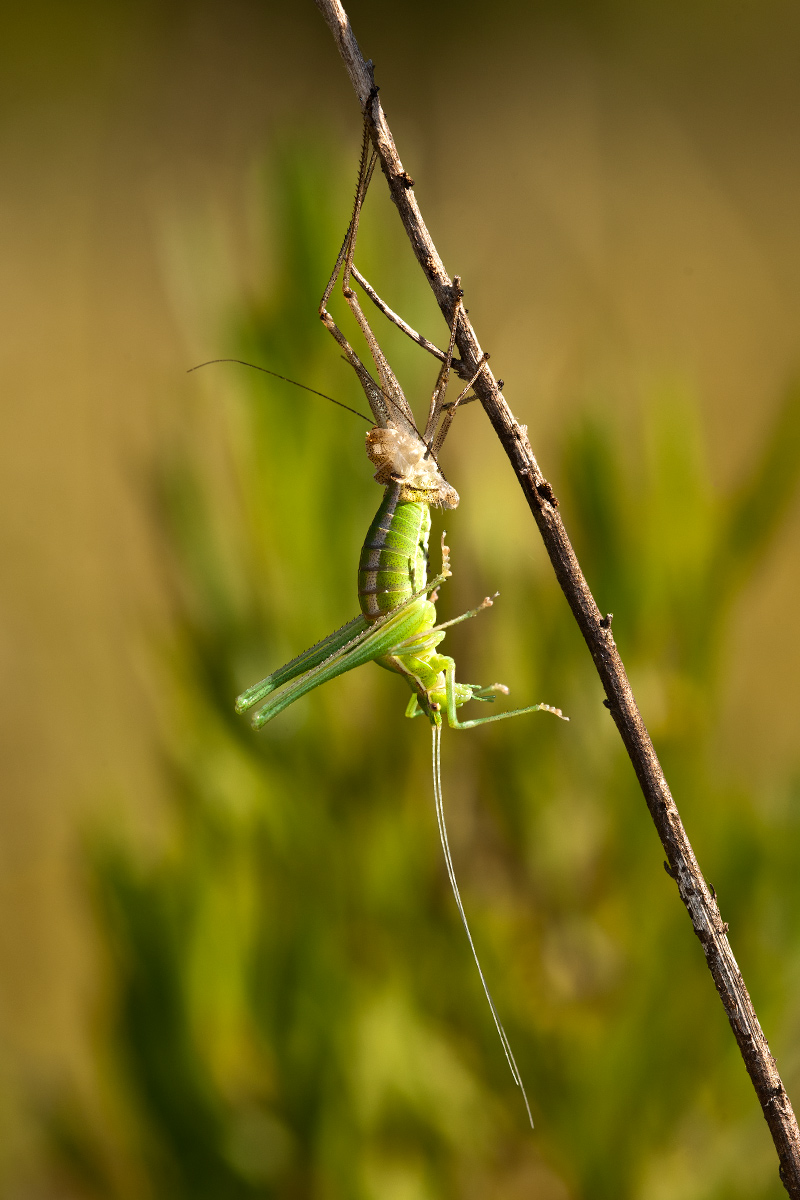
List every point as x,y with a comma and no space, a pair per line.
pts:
304,662
364,646
431,638
452,717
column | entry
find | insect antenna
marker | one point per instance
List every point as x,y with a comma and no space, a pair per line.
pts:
436,730
285,379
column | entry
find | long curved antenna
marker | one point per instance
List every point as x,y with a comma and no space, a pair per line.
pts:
285,379
437,795
339,404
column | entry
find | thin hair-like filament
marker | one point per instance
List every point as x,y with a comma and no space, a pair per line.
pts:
437,795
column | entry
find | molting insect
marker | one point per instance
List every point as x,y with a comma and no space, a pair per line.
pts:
397,625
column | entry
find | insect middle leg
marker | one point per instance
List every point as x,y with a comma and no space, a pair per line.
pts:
453,699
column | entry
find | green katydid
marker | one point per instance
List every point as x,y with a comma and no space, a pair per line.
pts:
397,626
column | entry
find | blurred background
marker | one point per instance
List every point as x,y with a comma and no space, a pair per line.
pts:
231,964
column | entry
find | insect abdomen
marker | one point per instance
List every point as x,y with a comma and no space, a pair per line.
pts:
394,557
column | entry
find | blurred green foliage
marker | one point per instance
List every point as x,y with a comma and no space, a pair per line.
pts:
293,1009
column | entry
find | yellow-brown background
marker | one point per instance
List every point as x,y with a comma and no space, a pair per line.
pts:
616,183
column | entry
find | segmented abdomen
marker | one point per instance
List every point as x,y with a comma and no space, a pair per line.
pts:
394,557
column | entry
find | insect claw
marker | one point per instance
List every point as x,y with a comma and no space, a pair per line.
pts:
446,572
555,711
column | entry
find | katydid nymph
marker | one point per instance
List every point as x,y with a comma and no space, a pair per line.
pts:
397,626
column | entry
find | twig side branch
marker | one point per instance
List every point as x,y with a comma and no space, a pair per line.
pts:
682,864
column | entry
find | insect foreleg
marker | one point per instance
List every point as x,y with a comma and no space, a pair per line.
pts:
487,602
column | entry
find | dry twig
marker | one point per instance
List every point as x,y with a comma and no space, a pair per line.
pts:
596,629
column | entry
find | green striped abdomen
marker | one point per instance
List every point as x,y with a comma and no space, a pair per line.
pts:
394,557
